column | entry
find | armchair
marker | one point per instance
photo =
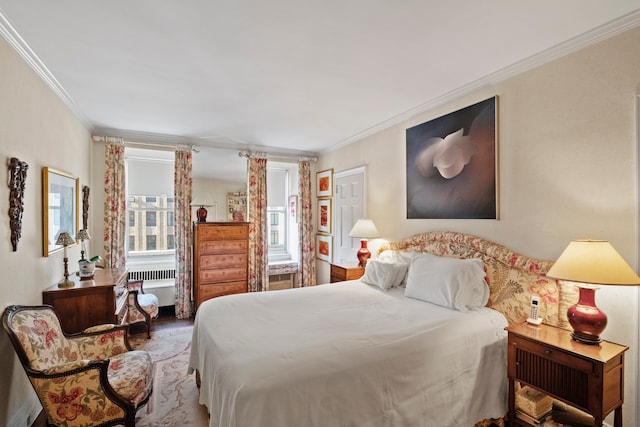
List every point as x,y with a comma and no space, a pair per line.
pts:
93,378
141,307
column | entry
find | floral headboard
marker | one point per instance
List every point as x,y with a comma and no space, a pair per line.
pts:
512,277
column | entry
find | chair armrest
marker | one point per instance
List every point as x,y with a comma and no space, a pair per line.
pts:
102,341
69,368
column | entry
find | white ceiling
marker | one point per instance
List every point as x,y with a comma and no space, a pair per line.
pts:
287,76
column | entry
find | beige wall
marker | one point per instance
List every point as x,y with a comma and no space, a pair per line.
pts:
567,166
37,128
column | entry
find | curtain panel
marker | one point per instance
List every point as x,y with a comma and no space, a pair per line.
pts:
183,232
307,275
114,205
257,205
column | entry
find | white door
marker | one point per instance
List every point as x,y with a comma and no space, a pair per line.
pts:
349,206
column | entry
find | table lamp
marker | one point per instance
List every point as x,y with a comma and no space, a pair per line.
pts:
83,235
364,229
64,240
587,264
201,201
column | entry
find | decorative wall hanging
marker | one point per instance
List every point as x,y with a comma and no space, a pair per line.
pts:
85,206
324,216
60,213
324,247
324,183
452,164
17,181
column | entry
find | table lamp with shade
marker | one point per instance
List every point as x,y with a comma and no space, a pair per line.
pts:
83,235
364,229
587,264
64,240
203,201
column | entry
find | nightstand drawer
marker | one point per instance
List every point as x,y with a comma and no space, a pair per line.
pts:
558,356
341,273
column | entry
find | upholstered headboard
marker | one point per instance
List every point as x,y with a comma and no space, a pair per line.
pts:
512,277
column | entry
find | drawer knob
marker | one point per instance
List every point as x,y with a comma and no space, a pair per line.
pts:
547,351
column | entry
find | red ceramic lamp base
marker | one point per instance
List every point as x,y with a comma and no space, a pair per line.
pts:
201,213
363,253
585,318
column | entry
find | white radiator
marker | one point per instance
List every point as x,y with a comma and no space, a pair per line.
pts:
160,282
281,281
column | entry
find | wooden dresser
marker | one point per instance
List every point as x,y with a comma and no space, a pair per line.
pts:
90,302
220,257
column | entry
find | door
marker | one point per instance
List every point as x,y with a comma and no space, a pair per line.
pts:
349,206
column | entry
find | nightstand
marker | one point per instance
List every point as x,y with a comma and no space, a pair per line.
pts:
342,272
587,377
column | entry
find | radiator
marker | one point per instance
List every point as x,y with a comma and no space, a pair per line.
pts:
160,282
281,281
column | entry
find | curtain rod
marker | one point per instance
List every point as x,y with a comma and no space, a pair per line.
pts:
113,139
261,154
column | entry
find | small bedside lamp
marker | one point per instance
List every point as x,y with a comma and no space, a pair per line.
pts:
202,201
65,239
586,264
365,229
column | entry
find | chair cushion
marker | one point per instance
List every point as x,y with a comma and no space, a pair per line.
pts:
130,375
149,303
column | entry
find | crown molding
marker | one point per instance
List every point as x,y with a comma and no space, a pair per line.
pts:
606,31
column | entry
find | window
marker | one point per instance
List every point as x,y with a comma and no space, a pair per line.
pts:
150,205
282,232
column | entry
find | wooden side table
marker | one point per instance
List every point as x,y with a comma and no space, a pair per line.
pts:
342,272
587,377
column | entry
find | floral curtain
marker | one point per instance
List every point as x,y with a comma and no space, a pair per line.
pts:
183,232
114,204
257,205
307,275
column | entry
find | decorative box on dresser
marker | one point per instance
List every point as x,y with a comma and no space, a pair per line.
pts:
90,302
220,259
587,377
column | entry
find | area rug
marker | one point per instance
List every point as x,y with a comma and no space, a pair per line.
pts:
174,401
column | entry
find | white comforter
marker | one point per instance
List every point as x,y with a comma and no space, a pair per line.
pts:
347,354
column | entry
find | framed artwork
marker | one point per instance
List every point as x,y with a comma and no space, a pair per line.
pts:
324,183
451,165
324,216
60,200
293,208
324,247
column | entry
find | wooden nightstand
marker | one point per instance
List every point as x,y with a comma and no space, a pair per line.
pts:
340,273
587,377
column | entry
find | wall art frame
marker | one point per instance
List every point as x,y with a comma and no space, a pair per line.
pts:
452,165
324,216
324,183
324,247
60,207
293,208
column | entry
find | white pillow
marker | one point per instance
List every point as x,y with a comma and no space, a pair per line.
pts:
448,282
396,256
384,274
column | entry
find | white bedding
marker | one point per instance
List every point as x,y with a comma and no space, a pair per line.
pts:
347,354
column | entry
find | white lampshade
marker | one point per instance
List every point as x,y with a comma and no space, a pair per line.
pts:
365,229
595,262
202,200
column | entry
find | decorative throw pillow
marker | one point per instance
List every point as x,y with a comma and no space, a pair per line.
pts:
449,282
384,274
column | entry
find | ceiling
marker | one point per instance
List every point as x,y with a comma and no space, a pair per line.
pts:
285,76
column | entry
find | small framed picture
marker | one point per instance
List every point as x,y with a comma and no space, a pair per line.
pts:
324,183
293,208
324,247
324,216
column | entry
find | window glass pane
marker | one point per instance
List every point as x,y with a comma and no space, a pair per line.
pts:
151,242
151,217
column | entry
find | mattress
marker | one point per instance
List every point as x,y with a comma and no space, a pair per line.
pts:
347,354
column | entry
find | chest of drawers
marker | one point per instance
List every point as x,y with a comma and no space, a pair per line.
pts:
220,256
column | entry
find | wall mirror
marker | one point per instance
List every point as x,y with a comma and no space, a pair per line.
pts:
60,199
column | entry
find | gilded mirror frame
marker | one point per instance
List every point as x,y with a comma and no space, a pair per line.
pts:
60,212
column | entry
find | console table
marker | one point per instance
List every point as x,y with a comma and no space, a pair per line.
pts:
90,302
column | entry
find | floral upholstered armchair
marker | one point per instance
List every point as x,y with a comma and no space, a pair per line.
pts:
88,379
141,307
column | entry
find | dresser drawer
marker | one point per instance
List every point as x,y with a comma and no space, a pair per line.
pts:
224,247
224,233
223,275
206,292
208,262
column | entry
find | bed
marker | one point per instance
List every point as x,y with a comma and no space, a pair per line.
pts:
368,353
